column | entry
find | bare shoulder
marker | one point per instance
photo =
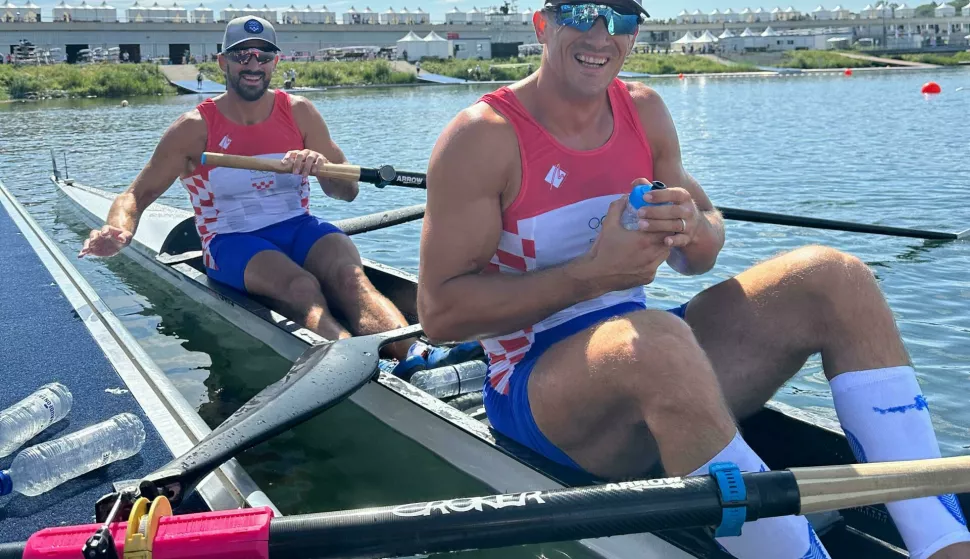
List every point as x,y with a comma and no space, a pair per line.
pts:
646,99
187,134
301,106
480,142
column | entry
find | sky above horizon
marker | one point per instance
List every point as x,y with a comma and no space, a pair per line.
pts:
437,8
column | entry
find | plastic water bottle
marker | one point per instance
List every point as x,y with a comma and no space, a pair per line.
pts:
630,219
40,468
446,381
24,420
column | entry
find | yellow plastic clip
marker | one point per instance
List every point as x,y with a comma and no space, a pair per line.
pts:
142,527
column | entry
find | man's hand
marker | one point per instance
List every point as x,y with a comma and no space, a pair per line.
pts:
107,241
621,259
679,219
307,162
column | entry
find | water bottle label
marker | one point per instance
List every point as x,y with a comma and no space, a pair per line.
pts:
49,406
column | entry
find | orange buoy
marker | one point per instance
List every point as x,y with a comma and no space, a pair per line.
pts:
848,72
930,88
681,76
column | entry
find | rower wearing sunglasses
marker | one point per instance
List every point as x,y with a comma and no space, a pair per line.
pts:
523,249
257,232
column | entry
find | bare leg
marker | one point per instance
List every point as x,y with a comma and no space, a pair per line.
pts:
334,261
294,291
759,328
594,394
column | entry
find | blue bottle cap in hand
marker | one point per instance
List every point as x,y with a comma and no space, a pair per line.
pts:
636,195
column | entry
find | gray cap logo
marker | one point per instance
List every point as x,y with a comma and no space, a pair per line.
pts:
248,28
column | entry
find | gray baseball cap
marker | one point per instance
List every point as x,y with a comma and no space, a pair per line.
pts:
247,28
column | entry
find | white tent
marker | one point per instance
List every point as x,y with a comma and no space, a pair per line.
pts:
839,12
324,15
8,11
105,12
727,34
945,10
748,33
706,39
687,39
85,12
729,16
904,11
455,16
178,14
203,14
420,16
437,46
351,16
476,17
761,15
747,16
821,13
715,16
411,47
698,16
31,12
769,32
370,16
777,14
791,13
389,17
405,17
683,17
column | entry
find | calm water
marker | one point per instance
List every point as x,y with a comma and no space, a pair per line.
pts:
868,149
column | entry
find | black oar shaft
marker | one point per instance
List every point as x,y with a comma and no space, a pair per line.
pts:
524,518
816,223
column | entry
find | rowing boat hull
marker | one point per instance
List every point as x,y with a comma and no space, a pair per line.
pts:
167,244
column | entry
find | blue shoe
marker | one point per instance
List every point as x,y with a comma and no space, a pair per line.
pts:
442,356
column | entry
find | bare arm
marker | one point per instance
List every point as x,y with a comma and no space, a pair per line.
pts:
699,252
180,145
473,164
316,137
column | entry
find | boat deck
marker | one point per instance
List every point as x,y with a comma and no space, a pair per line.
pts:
52,328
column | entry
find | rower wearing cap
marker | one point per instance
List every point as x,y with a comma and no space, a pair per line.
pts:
530,257
257,232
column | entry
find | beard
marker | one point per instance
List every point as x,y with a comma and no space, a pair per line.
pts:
246,91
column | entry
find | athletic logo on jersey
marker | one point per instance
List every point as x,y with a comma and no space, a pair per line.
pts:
261,180
555,176
224,143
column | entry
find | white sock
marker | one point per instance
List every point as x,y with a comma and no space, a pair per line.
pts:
885,418
784,537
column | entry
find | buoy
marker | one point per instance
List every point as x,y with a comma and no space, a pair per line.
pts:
124,103
930,88
681,76
848,72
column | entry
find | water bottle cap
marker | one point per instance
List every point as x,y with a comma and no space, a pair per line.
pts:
6,484
636,195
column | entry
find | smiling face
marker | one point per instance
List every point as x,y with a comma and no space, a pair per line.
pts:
248,69
583,62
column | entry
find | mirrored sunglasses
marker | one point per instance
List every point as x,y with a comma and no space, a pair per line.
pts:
243,56
582,17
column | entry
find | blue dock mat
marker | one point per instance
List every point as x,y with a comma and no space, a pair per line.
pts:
438,78
192,86
42,340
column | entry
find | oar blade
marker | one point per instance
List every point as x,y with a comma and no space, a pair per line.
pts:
326,374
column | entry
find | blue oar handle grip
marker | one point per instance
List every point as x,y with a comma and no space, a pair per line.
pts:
733,495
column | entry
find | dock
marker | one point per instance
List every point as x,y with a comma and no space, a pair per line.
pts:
54,327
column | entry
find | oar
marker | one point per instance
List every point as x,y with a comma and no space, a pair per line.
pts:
326,373
724,499
381,176
387,175
816,223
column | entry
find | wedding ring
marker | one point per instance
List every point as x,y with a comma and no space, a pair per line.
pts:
683,225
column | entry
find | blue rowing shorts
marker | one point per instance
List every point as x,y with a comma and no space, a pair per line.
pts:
511,413
294,237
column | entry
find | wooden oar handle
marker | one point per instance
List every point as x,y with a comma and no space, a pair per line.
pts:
330,170
838,487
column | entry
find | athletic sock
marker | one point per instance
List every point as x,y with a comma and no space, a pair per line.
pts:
784,537
886,418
